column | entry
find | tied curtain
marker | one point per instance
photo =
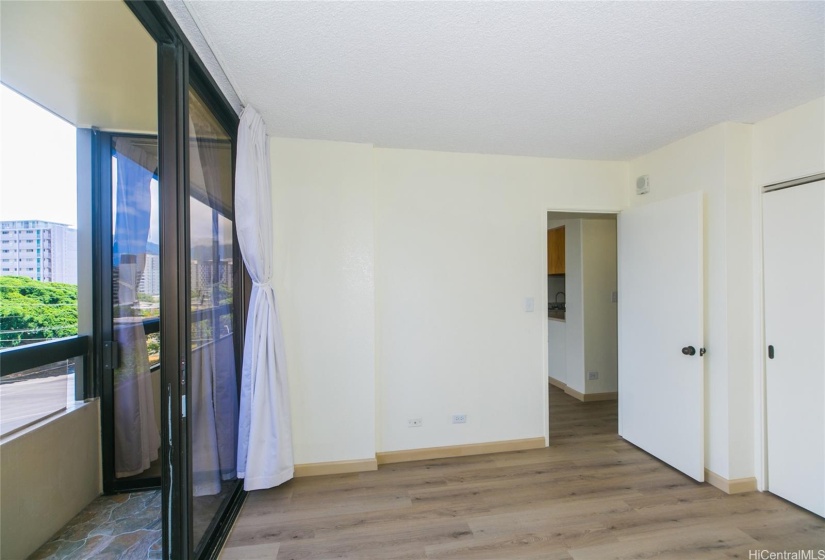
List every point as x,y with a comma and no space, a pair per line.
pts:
264,432
137,438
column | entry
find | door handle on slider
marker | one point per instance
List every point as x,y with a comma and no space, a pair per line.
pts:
688,350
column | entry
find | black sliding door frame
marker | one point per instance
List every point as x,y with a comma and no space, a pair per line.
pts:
219,528
174,317
178,67
102,144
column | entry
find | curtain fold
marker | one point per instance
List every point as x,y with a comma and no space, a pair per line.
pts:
264,433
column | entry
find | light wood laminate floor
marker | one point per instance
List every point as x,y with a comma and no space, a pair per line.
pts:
590,495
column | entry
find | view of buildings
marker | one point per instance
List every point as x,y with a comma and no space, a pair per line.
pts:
150,280
40,250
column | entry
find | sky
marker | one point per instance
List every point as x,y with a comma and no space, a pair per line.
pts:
38,167
38,170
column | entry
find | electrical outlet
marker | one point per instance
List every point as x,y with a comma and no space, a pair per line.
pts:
415,422
614,297
459,418
593,375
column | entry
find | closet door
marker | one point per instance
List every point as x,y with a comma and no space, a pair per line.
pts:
794,256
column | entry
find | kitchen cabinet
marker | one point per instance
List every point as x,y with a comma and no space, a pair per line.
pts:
555,250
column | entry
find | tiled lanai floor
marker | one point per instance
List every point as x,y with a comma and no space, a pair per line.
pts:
122,527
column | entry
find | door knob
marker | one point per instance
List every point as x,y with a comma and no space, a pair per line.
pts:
688,350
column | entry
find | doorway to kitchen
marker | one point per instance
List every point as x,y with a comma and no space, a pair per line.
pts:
582,317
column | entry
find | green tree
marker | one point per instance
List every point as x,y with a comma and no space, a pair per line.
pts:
31,310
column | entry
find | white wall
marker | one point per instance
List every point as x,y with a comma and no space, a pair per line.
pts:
460,242
599,281
740,297
790,145
455,243
48,474
324,279
402,276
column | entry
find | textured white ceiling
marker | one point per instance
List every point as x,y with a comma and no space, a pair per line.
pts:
607,80
195,36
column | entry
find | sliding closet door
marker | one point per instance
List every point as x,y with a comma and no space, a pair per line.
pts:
214,364
794,245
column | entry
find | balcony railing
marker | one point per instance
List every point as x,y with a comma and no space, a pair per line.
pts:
152,325
29,356
37,380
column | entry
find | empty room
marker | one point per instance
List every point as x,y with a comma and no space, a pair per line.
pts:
274,279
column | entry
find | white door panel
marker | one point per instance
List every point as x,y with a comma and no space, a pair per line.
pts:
661,276
794,257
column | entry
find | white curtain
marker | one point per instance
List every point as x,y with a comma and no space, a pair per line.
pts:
264,428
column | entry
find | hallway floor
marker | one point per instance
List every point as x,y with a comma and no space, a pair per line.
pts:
590,495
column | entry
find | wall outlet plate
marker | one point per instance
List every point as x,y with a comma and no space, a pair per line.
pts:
415,422
459,418
593,375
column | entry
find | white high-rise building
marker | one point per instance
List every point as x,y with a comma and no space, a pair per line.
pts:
39,250
150,280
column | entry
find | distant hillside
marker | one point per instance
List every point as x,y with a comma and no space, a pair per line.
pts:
200,253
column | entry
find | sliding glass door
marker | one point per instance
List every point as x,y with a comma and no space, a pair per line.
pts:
135,311
173,301
214,342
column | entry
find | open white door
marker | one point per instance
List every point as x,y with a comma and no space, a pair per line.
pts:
661,300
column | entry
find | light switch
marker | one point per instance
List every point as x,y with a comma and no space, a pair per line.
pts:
529,305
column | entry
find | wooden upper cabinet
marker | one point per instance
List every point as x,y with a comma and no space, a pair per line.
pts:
555,250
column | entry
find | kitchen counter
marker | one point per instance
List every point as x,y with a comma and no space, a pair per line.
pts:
555,315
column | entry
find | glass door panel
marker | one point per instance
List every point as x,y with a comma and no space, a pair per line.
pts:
136,307
213,364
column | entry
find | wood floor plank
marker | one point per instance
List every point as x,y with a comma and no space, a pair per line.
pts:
688,543
588,495
265,551
512,547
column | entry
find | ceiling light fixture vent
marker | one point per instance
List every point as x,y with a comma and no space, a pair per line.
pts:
643,184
